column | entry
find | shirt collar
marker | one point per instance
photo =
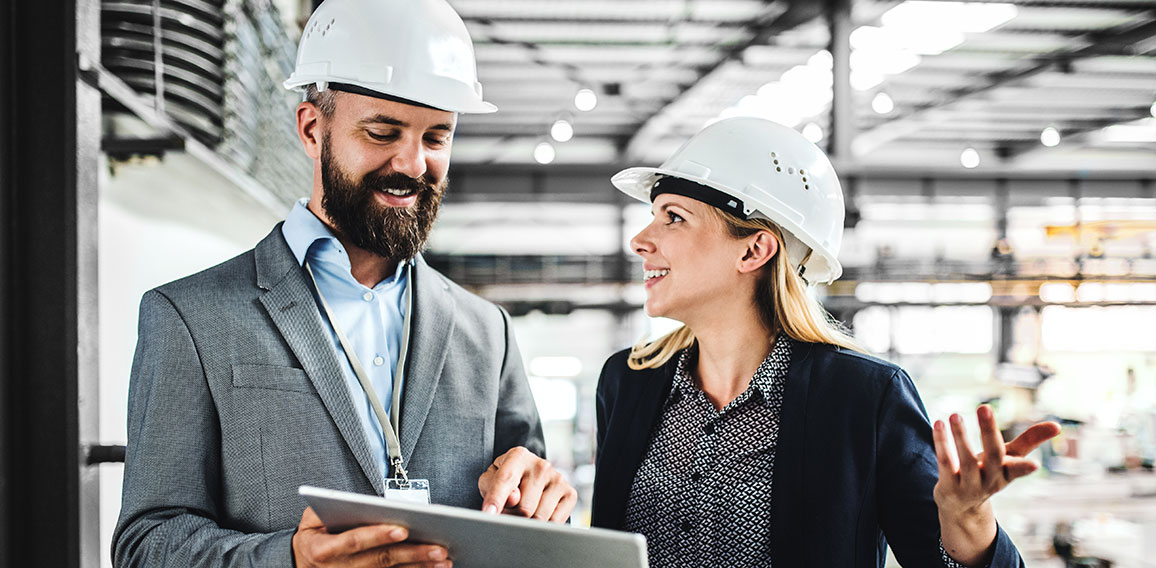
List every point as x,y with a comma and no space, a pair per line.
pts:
302,228
773,369
306,234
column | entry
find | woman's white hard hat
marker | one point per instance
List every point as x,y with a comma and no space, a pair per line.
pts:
414,50
771,171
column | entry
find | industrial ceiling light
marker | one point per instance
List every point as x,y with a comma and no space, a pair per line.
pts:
882,103
1050,137
969,17
1142,131
922,39
544,153
813,132
822,59
876,54
585,100
969,158
561,130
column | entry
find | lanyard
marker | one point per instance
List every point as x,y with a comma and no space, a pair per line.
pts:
389,423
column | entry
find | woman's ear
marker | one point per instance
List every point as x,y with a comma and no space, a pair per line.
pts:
761,248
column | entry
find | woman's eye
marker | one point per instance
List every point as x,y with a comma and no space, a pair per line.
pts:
674,217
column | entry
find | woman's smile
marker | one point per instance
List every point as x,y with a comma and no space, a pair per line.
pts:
651,276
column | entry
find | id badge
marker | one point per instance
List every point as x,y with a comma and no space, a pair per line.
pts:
413,491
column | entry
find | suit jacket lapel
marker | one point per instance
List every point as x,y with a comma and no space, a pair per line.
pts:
634,418
432,323
787,491
291,305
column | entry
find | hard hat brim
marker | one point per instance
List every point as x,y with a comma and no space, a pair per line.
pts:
468,106
636,182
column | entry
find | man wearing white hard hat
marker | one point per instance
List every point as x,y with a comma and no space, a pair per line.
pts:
331,354
760,433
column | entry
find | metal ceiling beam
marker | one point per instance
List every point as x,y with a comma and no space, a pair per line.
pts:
842,122
766,26
1124,5
601,42
1123,38
1079,136
602,21
562,183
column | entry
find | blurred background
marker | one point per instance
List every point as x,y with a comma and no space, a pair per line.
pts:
997,160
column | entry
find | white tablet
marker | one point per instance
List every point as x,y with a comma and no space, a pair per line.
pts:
481,540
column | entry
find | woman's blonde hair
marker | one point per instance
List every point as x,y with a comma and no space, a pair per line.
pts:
780,294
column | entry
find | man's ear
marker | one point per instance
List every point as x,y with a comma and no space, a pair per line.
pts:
761,248
309,128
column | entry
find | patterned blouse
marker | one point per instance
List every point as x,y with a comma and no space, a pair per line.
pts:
702,494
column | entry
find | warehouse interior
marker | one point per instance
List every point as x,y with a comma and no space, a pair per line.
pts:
998,162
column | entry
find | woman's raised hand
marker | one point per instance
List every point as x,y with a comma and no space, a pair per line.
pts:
967,479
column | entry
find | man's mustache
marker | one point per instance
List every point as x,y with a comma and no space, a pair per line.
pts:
399,181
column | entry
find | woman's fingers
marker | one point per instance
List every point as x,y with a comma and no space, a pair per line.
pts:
974,478
993,447
1032,438
968,466
943,449
1015,468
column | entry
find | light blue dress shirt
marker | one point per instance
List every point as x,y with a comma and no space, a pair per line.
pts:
372,318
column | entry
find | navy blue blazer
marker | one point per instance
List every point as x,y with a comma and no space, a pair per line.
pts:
854,467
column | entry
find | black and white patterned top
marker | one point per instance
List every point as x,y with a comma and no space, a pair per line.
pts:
702,494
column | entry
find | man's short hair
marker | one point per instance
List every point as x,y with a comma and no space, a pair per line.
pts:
326,101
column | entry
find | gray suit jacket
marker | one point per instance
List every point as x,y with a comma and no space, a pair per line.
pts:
237,398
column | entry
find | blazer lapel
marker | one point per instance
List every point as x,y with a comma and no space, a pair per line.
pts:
432,323
787,492
291,305
634,418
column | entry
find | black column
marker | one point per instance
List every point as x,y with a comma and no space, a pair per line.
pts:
49,151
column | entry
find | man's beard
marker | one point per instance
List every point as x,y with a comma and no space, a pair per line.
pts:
395,233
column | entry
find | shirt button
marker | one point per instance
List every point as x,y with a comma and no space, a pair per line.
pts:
685,526
378,361
696,477
368,296
709,428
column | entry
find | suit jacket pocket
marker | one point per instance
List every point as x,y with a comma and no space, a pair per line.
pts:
271,377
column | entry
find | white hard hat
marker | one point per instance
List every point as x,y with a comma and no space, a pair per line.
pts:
414,50
753,167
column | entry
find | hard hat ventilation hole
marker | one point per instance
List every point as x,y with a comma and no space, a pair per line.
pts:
805,186
778,169
804,179
327,26
802,173
776,162
774,155
791,171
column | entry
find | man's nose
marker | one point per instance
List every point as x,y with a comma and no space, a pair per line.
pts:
410,159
